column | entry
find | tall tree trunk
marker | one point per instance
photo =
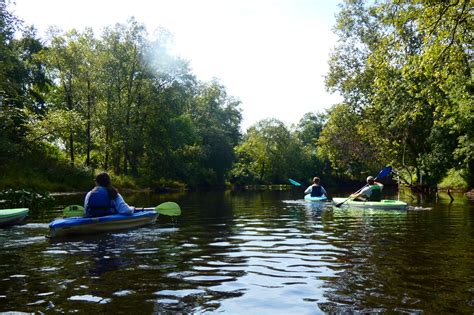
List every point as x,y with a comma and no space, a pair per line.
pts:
88,130
70,105
108,137
125,160
125,143
106,162
71,148
116,161
262,172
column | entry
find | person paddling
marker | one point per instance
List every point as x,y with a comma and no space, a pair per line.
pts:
104,199
372,192
316,190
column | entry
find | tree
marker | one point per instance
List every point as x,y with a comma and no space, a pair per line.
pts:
64,60
217,118
343,144
22,84
404,68
308,133
266,154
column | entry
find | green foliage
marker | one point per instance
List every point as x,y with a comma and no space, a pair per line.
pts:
120,102
344,143
124,181
44,169
405,71
454,180
25,199
266,154
217,118
309,128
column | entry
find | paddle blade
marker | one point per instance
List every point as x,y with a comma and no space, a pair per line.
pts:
338,205
168,208
293,182
384,173
73,211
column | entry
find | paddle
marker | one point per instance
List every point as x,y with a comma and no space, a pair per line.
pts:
166,208
383,173
294,182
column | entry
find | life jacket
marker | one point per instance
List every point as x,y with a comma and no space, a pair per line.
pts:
99,203
376,194
316,191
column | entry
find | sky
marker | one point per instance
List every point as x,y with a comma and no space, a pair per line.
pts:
271,54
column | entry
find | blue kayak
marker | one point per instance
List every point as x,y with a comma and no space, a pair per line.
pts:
309,198
81,225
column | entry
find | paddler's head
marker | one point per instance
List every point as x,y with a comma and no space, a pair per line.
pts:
103,179
370,180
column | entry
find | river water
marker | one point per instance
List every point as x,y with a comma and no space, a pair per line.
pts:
248,252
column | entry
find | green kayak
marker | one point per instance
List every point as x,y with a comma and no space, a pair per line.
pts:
12,216
383,204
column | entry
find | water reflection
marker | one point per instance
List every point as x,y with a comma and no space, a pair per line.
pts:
258,252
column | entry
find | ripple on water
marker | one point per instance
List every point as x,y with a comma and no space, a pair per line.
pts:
55,252
123,293
48,269
34,226
262,259
89,298
209,278
180,293
45,294
23,241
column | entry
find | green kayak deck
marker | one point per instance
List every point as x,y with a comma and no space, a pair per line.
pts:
12,216
383,204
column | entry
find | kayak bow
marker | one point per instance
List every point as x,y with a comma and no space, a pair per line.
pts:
81,225
10,217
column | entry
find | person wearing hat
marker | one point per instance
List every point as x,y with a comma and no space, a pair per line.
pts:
371,192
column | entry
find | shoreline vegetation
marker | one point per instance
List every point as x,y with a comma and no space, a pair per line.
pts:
77,102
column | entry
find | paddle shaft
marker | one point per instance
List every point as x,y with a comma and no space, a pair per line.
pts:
341,203
165,208
144,209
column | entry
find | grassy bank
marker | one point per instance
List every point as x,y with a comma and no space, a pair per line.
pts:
454,180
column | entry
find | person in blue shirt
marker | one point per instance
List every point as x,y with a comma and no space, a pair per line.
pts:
104,199
316,190
371,192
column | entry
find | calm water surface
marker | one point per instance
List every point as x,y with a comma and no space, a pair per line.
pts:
248,252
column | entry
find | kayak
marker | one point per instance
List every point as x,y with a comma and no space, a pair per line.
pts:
383,204
10,217
81,225
309,198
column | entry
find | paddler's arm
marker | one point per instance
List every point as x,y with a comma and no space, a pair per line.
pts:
86,201
361,194
323,191
122,207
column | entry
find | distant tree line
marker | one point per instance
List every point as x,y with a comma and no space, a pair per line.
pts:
405,72
76,102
